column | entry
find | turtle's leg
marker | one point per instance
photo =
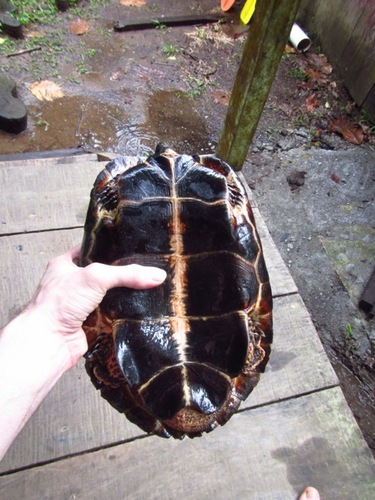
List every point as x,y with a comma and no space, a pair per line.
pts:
101,363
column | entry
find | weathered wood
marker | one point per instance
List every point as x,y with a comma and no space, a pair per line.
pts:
170,21
347,36
367,300
45,158
282,282
45,196
74,418
271,25
298,363
23,260
24,256
267,453
357,64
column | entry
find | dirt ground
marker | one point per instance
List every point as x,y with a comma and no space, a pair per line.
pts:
311,164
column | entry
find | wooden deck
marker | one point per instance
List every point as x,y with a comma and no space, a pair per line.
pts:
294,430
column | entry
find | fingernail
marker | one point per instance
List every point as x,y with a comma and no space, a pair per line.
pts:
310,493
157,275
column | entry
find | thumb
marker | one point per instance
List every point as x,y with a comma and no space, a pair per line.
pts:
131,276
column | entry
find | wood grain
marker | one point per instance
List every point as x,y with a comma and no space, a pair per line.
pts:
74,418
268,453
45,196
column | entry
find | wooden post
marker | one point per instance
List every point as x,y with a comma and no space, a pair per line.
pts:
269,32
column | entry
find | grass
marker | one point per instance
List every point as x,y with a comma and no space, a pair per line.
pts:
45,11
170,50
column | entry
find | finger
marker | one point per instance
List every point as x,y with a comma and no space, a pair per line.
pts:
310,493
73,253
132,276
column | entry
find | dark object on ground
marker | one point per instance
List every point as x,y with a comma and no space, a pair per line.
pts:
10,25
296,179
62,5
13,112
367,300
167,21
177,359
6,6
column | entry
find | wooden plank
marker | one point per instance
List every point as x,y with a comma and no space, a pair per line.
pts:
184,20
74,418
53,197
23,260
45,196
24,257
53,158
367,300
268,453
281,280
357,61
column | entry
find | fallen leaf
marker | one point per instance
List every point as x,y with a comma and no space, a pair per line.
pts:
289,49
320,62
35,34
133,3
46,90
350,131
313,74
311,102
117,75
78,26
221,97
335,178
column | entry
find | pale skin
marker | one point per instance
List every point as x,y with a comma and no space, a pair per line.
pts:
47,338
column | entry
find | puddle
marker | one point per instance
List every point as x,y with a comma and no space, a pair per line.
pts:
173,117
129,126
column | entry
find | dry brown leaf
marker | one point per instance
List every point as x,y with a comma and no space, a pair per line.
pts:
78,26
350,131
221,97
35,34
46,90
335,178
320,62
133,3
289,49
311,102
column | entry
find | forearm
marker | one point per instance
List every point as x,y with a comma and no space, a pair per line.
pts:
31,362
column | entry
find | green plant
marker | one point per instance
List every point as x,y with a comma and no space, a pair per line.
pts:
34,11
197,87
299,74
91,52
349,331
169,49
42,123
159,25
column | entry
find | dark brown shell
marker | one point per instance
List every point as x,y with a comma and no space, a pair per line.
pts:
179,358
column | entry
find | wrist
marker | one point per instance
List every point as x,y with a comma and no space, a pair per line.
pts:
32,353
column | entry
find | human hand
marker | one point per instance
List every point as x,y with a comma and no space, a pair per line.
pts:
47,338
67,294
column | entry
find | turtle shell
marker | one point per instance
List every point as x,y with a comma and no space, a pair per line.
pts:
177,359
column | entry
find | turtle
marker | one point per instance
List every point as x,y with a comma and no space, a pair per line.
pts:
177,359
